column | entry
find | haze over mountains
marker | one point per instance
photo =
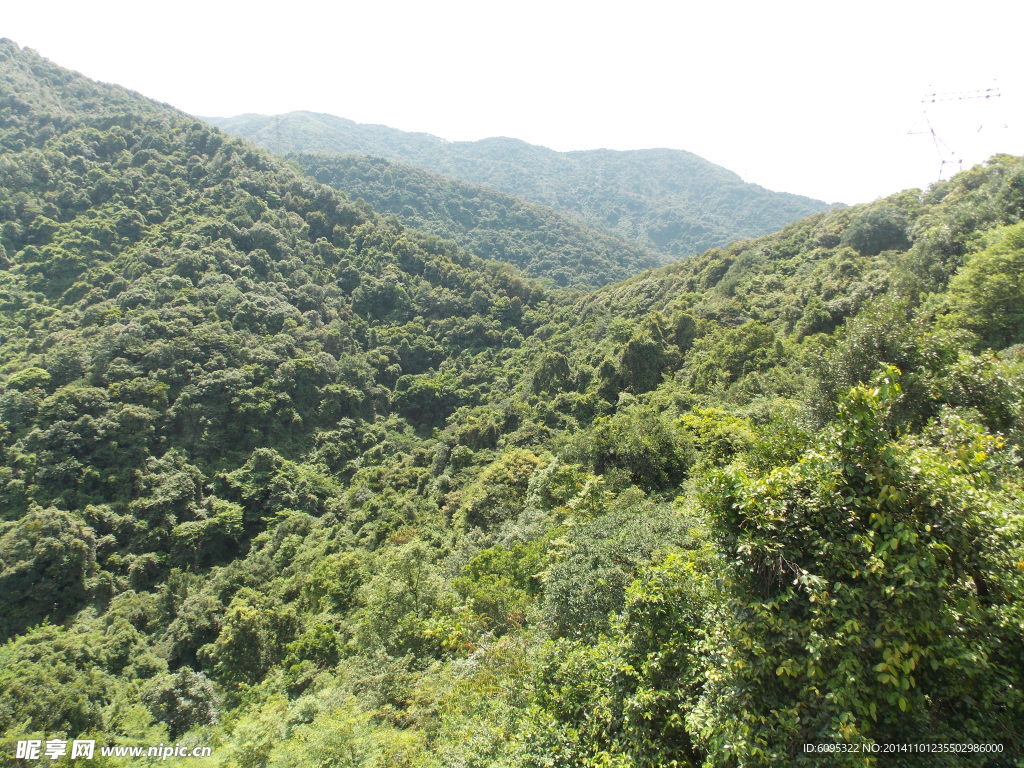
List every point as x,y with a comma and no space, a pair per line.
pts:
539,240
666,200
285,477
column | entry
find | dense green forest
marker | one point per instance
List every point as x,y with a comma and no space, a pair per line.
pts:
494,225
285,477
665,200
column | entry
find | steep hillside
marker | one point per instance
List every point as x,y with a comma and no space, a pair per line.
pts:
283,478
668,200
181,311
486,223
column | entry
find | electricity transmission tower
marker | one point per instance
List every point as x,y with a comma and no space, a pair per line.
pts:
948,157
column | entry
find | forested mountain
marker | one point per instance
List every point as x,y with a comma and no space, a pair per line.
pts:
494,225
283,477
662,199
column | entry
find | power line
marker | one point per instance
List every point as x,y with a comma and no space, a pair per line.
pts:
983,93
947,155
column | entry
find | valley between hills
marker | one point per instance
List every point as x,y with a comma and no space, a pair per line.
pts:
361,448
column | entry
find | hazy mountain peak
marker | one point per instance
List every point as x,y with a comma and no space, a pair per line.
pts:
669,200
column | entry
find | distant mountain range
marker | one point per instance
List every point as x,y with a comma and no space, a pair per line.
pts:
666,200
283,475
541,241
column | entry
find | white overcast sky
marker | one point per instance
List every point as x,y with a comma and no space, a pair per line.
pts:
815,98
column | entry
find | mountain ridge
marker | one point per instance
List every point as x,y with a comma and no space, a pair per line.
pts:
284,477
670,200
486,222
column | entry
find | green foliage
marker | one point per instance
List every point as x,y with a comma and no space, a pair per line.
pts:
268,485
992,387
202,543
252,636
498,585
333,583
885,332
987,295
642,362
597,560
29,378
485,222
640,441
658,199
51,681
296,480
428,398
182,700
878,228
497,495
398,601
624,700
880,570
46,559
720,359
718,436
553,374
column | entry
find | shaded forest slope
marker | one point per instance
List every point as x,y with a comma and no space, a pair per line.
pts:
666,200
286,478
487,223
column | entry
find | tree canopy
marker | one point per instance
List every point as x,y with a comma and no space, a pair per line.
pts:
290,478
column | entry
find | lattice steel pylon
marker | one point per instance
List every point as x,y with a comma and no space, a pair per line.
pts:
948,157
